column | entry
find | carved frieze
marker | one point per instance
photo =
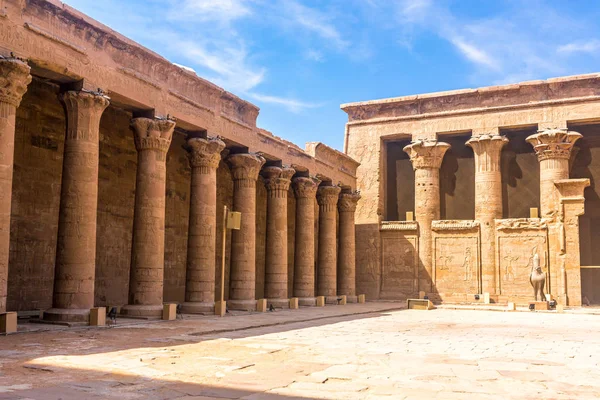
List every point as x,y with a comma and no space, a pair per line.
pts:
152,133
399,226
454,225
521,224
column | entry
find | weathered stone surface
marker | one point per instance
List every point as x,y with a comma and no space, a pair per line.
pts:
346,274
327,196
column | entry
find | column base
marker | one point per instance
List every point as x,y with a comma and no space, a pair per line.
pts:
68,315
331,299
307,301
192,307
351,299
278,303
145,311
241,305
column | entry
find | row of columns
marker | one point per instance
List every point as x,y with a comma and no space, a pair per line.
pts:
553,148
73,295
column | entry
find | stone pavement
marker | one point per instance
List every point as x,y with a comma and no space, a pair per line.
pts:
397,354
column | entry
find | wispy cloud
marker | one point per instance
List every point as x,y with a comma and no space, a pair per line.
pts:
293,105
222,11
590,46
474,54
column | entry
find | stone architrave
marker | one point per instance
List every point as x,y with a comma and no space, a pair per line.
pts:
13,84
488,200
75,268
152,141
245,168
426,157
205,155
553,148
277,182
305,189
346,274
327,197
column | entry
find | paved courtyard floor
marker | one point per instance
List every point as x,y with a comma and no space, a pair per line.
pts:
349,352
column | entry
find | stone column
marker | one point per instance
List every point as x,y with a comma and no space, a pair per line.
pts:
75,267
553,148
327,197
488,200
304,252
426,157
244,170
277,182
205,155
346,282
152,141
13,85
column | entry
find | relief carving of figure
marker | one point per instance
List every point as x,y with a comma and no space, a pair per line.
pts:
467,265
537,279
509,273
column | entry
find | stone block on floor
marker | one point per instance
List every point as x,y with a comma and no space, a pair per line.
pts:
320,301
342,300
98,316
420,304
169,311
294,303
220,308
362,298
539,305
261,305
8,322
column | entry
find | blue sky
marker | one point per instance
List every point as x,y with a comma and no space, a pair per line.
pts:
298,60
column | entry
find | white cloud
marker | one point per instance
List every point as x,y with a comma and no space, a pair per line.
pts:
209,10
293,105
314,55
474,54
590,46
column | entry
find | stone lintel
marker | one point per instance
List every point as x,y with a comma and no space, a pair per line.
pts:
205,153
454,225
152,133
399,226
521,224
426,153
554,143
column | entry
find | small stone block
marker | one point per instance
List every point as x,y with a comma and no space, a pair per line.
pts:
261,305
342,301
362,298
294,303
540,305
410,216
533,213
419,304
511,306
320,301
421,294
548,296
560,308
220,308
8,322
486,298
98,316
169,312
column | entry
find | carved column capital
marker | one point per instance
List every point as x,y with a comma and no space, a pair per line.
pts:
277,180
328,195
245,166
305,187
487,149
154,134
347,201
205,153
555,143
426,153
14,78
84,110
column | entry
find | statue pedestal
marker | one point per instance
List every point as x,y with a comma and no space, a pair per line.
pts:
539,305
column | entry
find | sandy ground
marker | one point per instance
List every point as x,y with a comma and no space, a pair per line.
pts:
358,351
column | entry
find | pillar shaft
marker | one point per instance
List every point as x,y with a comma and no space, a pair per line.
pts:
76,249
14,78
553,148
488,200
347,245
277,182
205,155
426,158
152,141
244,170
327,197
305,190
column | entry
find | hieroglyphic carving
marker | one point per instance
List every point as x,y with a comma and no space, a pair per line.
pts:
516,254
454,225
456,268
520,223
399,275
399,226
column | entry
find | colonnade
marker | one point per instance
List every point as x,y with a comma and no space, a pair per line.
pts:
73,295
553,148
